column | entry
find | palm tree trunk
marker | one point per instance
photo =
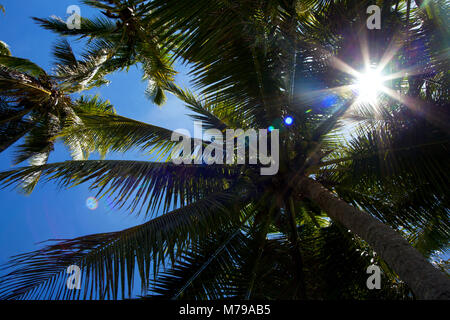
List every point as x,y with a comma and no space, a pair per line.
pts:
424,280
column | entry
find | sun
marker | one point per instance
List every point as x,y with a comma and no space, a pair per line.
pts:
373,83
369,85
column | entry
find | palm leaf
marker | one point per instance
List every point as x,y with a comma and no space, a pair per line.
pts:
108,260
136,182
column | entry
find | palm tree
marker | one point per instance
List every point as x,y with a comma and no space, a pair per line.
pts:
4,50
226,231
35,106
121,37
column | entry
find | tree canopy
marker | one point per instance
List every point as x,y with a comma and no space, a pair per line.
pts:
360,181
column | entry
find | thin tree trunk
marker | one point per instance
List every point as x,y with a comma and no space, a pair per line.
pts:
424,280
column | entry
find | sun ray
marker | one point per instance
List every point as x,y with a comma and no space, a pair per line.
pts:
391,51
373,80
419,107
403,73
342,66
336,90
364,48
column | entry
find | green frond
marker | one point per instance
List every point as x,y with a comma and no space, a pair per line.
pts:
115,45
95,28
12,124
203,271
78,75
109,132
397,172
4,49
137,183
108,260
208,113
63,53
21,65
40,138
94,105
336,261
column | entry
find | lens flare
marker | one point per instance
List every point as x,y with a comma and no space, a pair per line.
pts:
369,85
92,203
288,120
271,128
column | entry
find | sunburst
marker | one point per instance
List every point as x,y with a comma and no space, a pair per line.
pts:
369,85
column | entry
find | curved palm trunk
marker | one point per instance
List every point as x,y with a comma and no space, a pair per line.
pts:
425,281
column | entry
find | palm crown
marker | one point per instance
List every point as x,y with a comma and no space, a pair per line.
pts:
227,231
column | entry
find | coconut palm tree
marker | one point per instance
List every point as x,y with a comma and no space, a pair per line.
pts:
334,206
121,37
36,106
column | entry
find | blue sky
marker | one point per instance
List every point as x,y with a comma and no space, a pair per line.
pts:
51,212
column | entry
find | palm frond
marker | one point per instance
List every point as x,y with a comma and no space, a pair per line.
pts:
204,271
108,132
108,260
22,65
4,49
141,183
